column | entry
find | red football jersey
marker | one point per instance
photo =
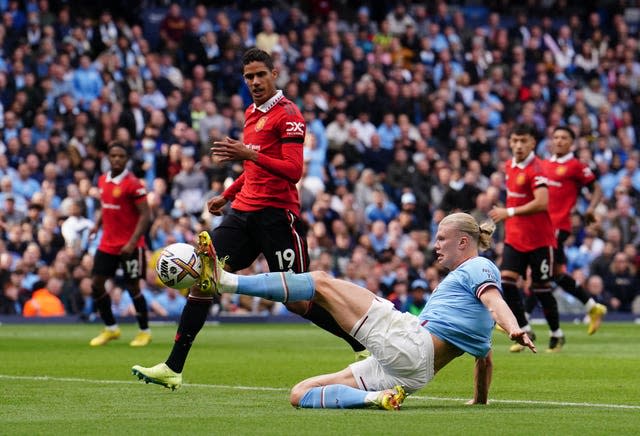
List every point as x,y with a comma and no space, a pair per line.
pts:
276,131
567,176
120,215
526,232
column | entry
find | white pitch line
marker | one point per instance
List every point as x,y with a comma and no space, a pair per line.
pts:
269,389
544,403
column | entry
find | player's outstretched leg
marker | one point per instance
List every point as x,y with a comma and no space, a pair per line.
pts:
279,286
345,397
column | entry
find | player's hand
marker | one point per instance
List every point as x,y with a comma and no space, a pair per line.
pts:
521,337
215,205
230,149
128,248
498,214
589,218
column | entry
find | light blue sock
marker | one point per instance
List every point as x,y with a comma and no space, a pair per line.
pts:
334,397
278,286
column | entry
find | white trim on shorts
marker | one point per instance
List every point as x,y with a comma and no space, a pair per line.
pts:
401,349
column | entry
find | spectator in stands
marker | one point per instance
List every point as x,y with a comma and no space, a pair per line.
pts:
190,185
622,283
418,296
398,174
45,301
86,82
381,208
173,27
9,300
75,229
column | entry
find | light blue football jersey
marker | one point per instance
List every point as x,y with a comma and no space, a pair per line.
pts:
454,312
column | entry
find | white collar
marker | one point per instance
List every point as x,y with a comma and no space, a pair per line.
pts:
522,165
118,179
269,104
562,159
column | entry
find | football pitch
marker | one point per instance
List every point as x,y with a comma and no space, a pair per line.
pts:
238,377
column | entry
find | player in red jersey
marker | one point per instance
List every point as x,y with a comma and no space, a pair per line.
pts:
265,209
567,176
529,236
124,218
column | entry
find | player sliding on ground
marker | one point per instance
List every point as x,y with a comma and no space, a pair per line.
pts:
406,351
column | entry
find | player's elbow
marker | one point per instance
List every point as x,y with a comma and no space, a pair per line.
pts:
297,393
295,175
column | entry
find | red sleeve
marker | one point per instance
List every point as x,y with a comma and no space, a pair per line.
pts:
538,177
234,188
138,191
289,167
291,128
585,175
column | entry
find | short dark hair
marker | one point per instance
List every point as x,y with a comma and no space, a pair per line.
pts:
118,144
254,54
569,130
524,129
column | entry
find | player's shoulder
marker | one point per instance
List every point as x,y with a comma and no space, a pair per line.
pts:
130,177
480,265
133,181
577,163
287,107
537,164
479,262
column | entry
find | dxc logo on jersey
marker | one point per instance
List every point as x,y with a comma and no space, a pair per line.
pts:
294,127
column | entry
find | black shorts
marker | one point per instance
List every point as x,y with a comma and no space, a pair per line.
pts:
278,234
561,238
540,260
134,266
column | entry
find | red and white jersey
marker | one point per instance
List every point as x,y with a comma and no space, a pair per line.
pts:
566,176
527,232
119,196
276,130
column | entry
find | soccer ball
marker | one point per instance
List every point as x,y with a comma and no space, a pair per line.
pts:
179,266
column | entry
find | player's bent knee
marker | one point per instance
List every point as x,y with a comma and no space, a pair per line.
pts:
321,279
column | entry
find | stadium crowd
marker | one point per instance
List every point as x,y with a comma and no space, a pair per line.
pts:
407,107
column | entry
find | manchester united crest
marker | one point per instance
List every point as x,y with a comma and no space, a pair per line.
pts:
521,179
561,170
261,123
116,192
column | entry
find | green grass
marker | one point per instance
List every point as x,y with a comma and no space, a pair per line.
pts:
237,380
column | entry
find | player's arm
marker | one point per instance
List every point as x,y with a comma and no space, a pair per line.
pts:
596,196
482,373
289,167
501,314
230,193
141,226
216,204
97,222
539,203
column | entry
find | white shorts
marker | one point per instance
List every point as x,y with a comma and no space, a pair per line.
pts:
401,350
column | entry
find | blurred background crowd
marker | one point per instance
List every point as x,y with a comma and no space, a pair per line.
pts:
408,109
